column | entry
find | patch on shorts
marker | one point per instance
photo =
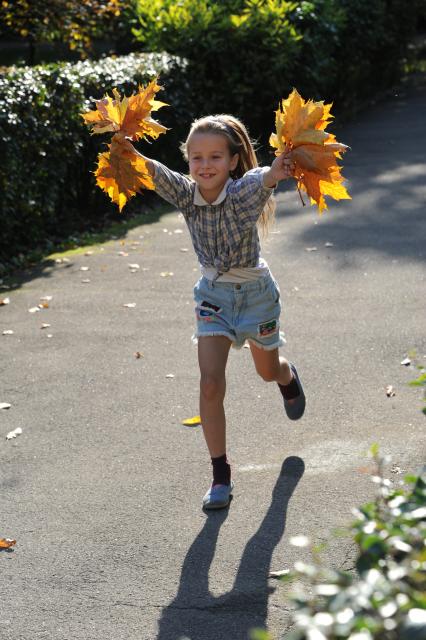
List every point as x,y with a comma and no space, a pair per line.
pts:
267,328
210,306
206,316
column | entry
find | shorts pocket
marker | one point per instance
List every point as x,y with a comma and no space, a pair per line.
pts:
274,292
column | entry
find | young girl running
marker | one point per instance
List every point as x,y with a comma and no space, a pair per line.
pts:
237,299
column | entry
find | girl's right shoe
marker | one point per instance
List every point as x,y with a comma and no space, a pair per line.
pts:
294,397
218,496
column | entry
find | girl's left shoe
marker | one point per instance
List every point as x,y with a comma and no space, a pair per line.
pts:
218,496
294,397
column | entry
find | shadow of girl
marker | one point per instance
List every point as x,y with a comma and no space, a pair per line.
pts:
195,614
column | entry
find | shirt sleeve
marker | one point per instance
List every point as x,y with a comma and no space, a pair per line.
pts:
173,186
249,196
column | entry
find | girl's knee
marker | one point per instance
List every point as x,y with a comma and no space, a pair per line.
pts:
212,387
268,375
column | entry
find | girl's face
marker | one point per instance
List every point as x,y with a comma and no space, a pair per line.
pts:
210,163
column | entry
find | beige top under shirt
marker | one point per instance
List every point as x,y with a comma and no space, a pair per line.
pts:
235,274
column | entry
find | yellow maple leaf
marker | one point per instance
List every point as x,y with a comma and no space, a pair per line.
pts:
192,422
301,130
121,171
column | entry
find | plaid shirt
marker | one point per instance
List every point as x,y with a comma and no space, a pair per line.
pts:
224,233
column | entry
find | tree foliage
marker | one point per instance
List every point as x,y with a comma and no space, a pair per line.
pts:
74,22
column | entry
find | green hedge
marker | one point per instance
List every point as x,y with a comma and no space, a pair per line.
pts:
244,55
47,156
241,57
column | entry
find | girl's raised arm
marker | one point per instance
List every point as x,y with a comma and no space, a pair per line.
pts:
148,162
281,168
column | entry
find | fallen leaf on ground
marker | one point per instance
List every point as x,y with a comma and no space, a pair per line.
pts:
5,543
365,470
5,405
279,574
14,433
192,422
8,332
138,354
130,305
4,301
43,305
390,391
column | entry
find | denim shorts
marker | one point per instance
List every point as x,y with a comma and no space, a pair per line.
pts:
246,311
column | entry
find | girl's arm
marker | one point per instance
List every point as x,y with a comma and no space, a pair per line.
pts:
148,162
170,185
281,169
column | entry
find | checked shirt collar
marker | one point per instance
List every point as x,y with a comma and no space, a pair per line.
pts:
199,200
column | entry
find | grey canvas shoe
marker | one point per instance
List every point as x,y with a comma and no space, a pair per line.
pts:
294,398
218,496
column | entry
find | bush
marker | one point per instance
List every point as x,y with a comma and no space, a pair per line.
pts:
372,47
244,55
46,180
387,599
239,53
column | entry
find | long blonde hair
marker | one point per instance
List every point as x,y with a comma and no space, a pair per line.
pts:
239,143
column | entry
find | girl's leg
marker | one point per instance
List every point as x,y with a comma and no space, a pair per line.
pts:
270,365
213,354
273,367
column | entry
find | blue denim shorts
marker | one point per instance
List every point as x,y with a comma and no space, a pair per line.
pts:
246,311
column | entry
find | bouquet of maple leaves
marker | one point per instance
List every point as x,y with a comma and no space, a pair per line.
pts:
300,132
122,171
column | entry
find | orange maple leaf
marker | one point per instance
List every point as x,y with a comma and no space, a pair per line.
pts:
122,171
300,129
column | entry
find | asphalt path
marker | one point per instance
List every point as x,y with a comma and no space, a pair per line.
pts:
102,489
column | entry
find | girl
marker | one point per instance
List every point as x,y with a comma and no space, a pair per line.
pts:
236,298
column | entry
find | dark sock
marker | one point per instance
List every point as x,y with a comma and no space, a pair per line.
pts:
221,470
291,390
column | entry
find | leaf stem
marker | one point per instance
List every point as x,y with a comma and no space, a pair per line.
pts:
300,194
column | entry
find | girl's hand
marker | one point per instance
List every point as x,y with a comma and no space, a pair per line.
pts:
282,168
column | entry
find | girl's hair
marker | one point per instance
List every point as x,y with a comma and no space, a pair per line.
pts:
239,142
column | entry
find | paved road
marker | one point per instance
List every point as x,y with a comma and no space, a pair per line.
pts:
102,489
